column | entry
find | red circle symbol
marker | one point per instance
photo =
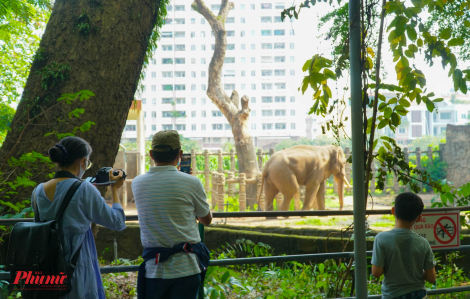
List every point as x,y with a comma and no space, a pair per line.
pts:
451,232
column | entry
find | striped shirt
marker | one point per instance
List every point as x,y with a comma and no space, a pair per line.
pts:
168,202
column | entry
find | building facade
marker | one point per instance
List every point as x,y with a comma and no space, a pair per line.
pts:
260,63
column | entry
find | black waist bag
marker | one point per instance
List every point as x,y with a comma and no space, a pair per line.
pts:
36,258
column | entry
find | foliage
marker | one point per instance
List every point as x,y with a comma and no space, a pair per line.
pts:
321,140
84,23
427,141
53,74
228,146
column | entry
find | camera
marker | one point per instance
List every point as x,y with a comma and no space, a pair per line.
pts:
101,177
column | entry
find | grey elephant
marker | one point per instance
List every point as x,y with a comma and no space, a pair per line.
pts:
304,165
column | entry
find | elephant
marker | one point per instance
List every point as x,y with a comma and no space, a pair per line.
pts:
303,165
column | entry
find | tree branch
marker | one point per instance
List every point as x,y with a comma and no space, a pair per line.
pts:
235,98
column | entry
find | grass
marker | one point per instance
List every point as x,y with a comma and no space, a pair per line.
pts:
383,224
320,222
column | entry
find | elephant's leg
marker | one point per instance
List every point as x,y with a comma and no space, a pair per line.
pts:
310,194
290,189
340,184
319,203
270,192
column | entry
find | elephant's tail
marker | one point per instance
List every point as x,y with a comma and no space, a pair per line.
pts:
263,176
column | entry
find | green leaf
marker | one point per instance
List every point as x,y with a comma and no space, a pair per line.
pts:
225,277
306,65
438,100
327,90
466,23
463,85
411,32
382,123
401,26
86,126
430,106
329,74
404,102
456,42
388,112
395,119
420,42
446,33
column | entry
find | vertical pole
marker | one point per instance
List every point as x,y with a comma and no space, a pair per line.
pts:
260,193
232,160
231,186
220,161
201,235
430,155
221,184
359,195
242,192
141,140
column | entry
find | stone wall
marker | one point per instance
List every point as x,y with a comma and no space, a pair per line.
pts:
456,153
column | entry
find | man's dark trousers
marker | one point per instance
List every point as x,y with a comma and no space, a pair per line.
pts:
178,288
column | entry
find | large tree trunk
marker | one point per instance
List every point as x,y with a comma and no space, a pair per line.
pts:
238,118
106,60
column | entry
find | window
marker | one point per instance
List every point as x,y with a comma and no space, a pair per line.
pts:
280,99
416,116
445,116
267,126
193,74
253,86
266,99
266,86
416,130
242,46
280,112
167,61
243,59
180,127
253,33
179,7
193,113
179,34
279,58
215,7
266,33
292,46
203,87
253,59
291,32
167,74
180,21
242,6
180,60
193,60
243,73
203,74
253,126
203,101
231,33
280,126
180,100
217,126
231,47
279,72
169,8
401,130
193,101
253,112
277,19
167,114
180,87
203,34
229,86
266,46
279,6
464,116
242,34
279,45
266,6
180,47
154,114
193,34
292,72
253,73
227,127
154,101
203,127
203,61
443,129
230,20
154,87
292,59
193,21
266,73
154,127
292,99
242,20
229,60
154,61
167,48
193,87
252,6
203,21
154,75
435,131
292,126
180,74
229,73
216,113
203,113
267,112
280,85
193,127
266,59
143,88
252,46
167,127
167,34
243,86
266,19
292,113
253,100
144,101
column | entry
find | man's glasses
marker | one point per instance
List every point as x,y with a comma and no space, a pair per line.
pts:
88,164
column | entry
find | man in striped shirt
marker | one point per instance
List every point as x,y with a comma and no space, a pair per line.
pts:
168,202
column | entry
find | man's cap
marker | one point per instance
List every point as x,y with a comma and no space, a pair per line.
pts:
165,141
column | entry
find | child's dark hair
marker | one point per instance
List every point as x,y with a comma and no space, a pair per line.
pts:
68,150
408,206
166,157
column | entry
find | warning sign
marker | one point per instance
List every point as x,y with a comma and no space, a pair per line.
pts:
441,229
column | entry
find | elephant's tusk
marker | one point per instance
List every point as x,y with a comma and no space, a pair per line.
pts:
346,181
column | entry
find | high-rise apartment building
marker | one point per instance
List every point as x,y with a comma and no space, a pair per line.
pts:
260,62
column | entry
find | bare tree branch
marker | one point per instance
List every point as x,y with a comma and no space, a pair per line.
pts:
235,98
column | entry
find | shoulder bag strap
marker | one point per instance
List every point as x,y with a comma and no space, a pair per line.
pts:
67,198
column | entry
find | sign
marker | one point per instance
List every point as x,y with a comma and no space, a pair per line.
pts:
441,229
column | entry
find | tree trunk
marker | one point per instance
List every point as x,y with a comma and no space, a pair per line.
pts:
238,118
103,43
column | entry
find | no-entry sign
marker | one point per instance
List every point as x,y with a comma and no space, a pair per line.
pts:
441,229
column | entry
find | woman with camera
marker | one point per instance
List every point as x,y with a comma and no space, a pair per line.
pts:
87,205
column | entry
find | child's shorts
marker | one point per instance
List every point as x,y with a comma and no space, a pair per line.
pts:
420,294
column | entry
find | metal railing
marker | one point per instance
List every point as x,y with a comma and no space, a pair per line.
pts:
276,259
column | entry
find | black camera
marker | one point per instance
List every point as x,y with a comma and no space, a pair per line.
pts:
101,177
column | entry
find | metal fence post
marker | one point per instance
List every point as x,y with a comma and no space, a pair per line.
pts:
201,235
359,195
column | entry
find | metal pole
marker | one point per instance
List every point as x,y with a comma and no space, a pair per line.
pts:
357,150
201,235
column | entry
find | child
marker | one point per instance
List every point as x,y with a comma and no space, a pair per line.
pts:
404,257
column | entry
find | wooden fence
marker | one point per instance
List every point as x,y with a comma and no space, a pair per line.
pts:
222,182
